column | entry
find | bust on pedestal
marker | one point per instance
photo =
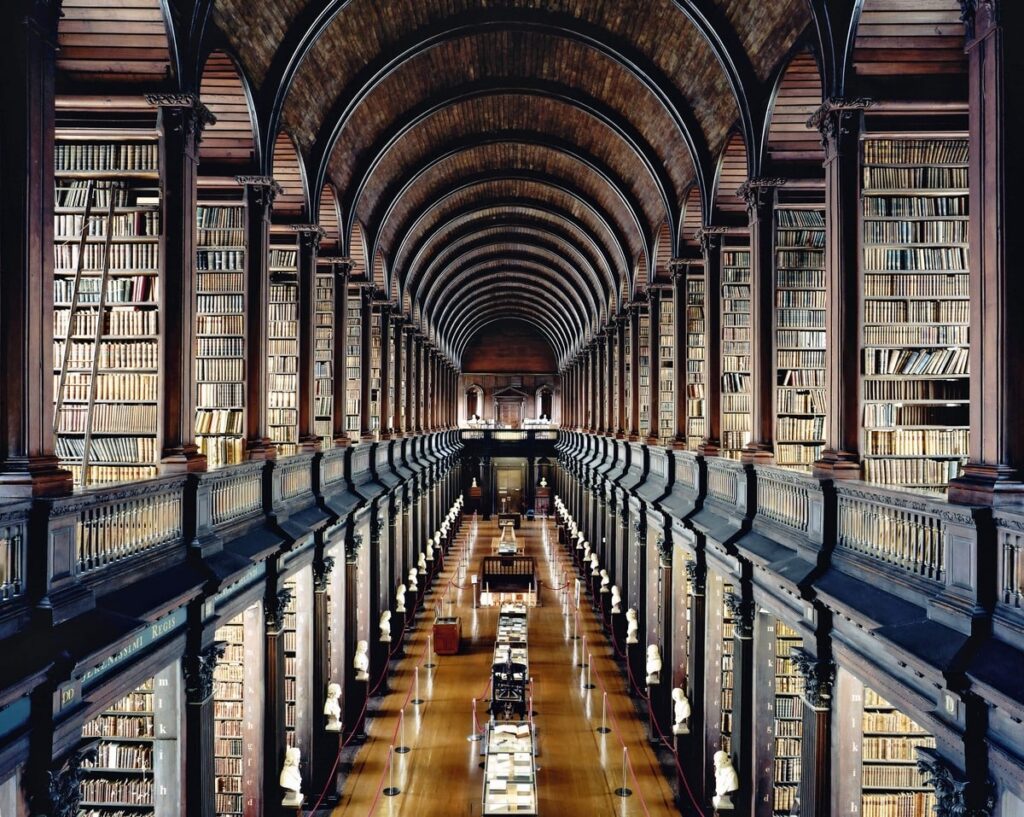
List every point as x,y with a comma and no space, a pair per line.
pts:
606,581
632,626
421,563
726,782
413,581
616,599
400,599
361,661
332,708
586,552
595,565
653,665
291,779
385,627
680,712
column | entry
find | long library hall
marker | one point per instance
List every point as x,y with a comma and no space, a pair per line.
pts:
520,407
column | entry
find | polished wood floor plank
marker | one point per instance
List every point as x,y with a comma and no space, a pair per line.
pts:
578,769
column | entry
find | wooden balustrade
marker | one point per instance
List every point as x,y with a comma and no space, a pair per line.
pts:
332,468
12,561
723,480
111,530
1011,568
238,495
296,479
897,530
783,498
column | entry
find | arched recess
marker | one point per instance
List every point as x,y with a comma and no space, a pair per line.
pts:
229,145
290,205
473,403
357,252
379,272
111,41
395,297
662,253
640,277
731,173
329,219
693,216
798,93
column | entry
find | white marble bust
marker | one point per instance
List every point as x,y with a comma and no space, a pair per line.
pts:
474,485
606,581
653,664
413,581
595,565
400,599
726,782
632,626
421,563
543,482
361,661
586,551
437,542
680,712
291,778
385,627
616,599
332,708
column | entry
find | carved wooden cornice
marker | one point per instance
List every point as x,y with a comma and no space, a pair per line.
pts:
198,672
819,676
352,547
970,10
322,569
195,116
274,609
953,794
757,192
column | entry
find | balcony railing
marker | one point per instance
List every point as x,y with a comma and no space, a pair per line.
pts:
12,561
903,531
1011,568
783,497
238,493
723,480
508,435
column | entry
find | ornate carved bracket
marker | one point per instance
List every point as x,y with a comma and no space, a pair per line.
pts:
757,192
819,675
664,550
192,115
352,548
832,118
376,529
322,573
198,672
640,531
678,267
274,609
310,235
742,612
43,17
64,786
710,238
953,795
696,577
264,189
971,9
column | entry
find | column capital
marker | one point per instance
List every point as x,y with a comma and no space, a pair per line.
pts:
971,10
322,569
832,119
757,192
742,612
953,792
310,235
819,675
352,547
274,609
198,672
195,116
696,577
710,237
262,189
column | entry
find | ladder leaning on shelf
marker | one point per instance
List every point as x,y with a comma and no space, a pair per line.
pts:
98,329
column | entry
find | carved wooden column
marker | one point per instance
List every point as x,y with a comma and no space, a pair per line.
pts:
634,372
678,268
819,675
994,59
274,738
839,123
355,691
260,192
694,760
594,387
409,356
759,194
310,236
180,121
341,268
200,775
397,339
654,356
742,611
387,384
324,744
610,393
711,244
365,426
417,381
28,465
622,327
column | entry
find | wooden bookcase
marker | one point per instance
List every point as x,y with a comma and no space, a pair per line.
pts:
891,785
283,343
323,357
644,375
696,329
220,329
228,719
108,252
297,641
916,309
627,373
736,346
800,397
353,362
135,767
376,361
726,673
788,720
666,367
290,637
391,422
615,351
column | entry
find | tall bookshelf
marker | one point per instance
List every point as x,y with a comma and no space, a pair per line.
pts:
736,347
696,342
388,339
220,330
107,259
627,387
376,360
891,785
666,367
403,385
788,721
353,361
323,357
644,375
283,343
800,399
228,720
726,674
134,768
614,402
291,672
916,310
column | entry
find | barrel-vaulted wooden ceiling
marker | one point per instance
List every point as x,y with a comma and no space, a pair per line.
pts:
486,159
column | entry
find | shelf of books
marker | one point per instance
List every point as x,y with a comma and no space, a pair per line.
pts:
220,330
644,375
614,402
726,674
323,357
916,310
800,400
290,638
237,712
135,753
736,348
696,428
788,720
891,784
510,780
402,384
376,350
107,254
391,421
283,343
627,387
666,367
296,636
353,361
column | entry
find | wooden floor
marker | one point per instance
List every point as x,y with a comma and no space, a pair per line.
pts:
578,769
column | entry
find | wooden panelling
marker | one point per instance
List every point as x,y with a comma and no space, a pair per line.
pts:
732,172
116,41
357,251
799,93
662,252
229,141
693,215
917,37
329,220
509,346
291,204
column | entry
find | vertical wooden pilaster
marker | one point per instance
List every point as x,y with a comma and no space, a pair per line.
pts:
365,426
654,356
200,774
819,676
711,245
274,739
341,268
742,611
634,372
310,236
678,268
694,760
